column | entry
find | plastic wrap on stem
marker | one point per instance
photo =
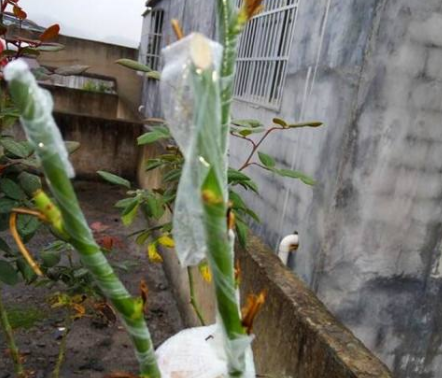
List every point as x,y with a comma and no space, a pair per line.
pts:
182,110
35,112
42,122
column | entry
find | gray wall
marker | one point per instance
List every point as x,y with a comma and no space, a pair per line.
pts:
371,70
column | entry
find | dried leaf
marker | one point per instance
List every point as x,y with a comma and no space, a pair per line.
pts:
249,312
106,311
144,292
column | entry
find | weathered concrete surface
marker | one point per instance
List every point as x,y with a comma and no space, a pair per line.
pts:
77,101
105,144
371,230
194,16
295,335
101,58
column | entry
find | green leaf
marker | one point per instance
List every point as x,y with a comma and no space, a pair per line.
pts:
114,179
80,273
8,274
296,175
134,65
6,205
121,204
16,149
242,231
236,200
29,182
154,75
130,212
4,221
246,132
27,225
152,164
153,136
30,52
173,175
247,123
4,246
125,266
235,175
305,124
142,238
267,160
156,206
11,189
280,122
251,214
50,258
51,47
26,271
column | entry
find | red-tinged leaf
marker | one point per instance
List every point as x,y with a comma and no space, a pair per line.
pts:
109,242
99,227
144,293
20,13
50,33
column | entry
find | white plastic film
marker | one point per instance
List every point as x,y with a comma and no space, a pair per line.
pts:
43,121
181,110
199,353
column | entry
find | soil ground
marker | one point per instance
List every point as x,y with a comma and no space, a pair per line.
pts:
92,351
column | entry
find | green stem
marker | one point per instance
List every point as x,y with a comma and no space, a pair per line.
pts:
227,27
193,301
42,132
9,335
220,254
63,345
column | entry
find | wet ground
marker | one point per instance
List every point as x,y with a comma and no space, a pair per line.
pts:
93,350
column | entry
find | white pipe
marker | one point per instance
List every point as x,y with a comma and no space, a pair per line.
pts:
288,244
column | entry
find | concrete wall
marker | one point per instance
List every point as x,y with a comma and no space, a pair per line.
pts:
77,101
371,229
105,144
101,58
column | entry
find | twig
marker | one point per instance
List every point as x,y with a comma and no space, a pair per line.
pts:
34,213
177,29
13,350
256,146
193,301
21,247
62,351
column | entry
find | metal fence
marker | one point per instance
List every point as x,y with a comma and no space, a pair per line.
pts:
263,54
151,43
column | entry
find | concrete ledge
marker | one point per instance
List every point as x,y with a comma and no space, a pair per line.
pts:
78,101
296,336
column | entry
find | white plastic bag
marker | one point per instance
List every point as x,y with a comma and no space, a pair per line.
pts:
198,353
